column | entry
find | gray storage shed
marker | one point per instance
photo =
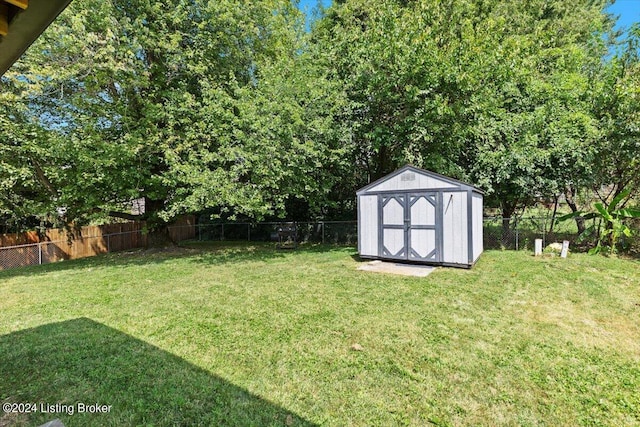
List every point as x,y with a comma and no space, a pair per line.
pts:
420,216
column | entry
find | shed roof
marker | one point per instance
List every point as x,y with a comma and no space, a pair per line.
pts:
447,181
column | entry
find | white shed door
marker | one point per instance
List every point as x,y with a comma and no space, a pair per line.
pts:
423,230
393,242
408,227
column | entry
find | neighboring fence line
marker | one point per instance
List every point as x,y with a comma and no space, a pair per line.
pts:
522,232
519,234
335,232
516,234
56,245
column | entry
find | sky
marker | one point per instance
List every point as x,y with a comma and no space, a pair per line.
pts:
308,5
629,10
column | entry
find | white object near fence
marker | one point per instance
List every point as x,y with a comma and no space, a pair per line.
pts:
565,248
538,247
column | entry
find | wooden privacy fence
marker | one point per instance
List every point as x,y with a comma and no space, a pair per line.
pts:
183,228
31,248
19,238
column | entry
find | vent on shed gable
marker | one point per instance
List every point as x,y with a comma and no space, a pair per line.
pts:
410,176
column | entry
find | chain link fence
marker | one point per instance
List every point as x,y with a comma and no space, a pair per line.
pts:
20,255
498,233
335,232
521,233
52,251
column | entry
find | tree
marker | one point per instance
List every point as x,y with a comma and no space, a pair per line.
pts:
273,143
616,106
396,69
190,107
494,92
534,133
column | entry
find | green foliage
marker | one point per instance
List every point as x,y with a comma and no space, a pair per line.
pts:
494,92
533,134
617,108
610,223
399,82
230,107
202,105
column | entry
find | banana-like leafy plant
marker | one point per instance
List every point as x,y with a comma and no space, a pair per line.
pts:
613,219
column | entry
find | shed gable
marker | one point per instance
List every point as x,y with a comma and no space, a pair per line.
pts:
409,178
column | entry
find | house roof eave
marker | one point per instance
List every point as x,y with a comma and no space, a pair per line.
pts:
25,27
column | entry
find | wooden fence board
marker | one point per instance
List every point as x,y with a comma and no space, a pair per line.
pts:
57,245
183,228
15,239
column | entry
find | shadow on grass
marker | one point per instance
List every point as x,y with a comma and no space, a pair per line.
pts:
356,257
206,252
82,361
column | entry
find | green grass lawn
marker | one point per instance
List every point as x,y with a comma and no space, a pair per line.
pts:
239,335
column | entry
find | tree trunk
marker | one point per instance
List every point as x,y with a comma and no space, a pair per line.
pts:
553,216
569,194
159,235
383,159
508,209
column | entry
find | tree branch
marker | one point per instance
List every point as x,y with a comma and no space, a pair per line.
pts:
124,215
43,178
121,215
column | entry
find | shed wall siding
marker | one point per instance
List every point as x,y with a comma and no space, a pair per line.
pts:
455,248
477,226
368,227
420,182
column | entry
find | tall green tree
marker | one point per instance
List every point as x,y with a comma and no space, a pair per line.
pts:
616,106
195,106
533,134
495,92
393,61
